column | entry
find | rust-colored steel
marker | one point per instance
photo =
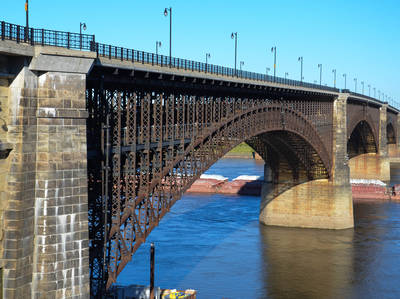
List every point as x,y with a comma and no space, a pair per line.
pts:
161,142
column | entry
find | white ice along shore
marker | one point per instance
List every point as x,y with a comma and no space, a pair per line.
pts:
367,182
248,178
242,177
214,177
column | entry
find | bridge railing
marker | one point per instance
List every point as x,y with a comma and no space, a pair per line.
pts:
87,42
44,37
391,102
143,57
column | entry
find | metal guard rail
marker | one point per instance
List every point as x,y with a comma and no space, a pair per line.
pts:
87,42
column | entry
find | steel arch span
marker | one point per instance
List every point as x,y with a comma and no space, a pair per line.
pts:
155,145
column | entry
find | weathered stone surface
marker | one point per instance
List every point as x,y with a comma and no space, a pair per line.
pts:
314,204
44,186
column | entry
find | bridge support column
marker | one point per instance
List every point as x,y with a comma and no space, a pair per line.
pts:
383,147
46,250
324,204
398,133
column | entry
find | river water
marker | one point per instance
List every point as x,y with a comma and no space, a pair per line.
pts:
215,245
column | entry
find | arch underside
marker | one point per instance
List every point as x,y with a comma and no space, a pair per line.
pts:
291,158
390,134
144,186
362,140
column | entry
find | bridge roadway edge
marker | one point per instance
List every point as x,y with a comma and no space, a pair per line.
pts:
45,242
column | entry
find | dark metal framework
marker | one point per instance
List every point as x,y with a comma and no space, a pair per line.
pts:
87,42
149,141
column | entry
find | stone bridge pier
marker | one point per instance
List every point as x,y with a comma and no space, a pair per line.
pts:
44,212
319,203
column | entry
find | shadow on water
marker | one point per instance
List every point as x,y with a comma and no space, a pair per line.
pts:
214,244
359,263
306,263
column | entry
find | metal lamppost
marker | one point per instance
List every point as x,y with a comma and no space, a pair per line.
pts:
355,85
81,26
158,45
267,70
241,63
374,92
286,75
208,55
334,77
170,31
234,36
273,50
369,90
345,79
379,94
320,73
27,19
362,83
301,68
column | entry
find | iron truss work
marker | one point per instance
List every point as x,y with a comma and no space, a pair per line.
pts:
147,144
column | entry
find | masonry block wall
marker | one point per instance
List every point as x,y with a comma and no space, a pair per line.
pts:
45,223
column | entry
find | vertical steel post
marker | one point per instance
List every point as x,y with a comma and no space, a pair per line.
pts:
234,35
170,34
27,20
152,271
105,176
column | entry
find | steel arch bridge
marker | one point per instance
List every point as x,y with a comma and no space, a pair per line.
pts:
151,136
147,126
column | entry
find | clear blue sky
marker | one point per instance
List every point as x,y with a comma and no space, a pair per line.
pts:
357,37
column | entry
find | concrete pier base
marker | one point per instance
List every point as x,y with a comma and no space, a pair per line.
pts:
314,204
370,166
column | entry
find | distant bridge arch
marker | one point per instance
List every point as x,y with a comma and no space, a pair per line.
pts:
362,140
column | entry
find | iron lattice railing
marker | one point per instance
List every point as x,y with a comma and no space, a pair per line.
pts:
78,41
87,42
44,37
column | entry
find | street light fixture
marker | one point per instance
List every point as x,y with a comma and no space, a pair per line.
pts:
355,85
301,68
286,75
345,79
374,92
362,83
273,50
81,26
320,73
241,63
334,77
234,36
170,31
267,70
158,45
369,90
208,55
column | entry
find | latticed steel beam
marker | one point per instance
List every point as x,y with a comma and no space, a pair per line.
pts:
161,142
